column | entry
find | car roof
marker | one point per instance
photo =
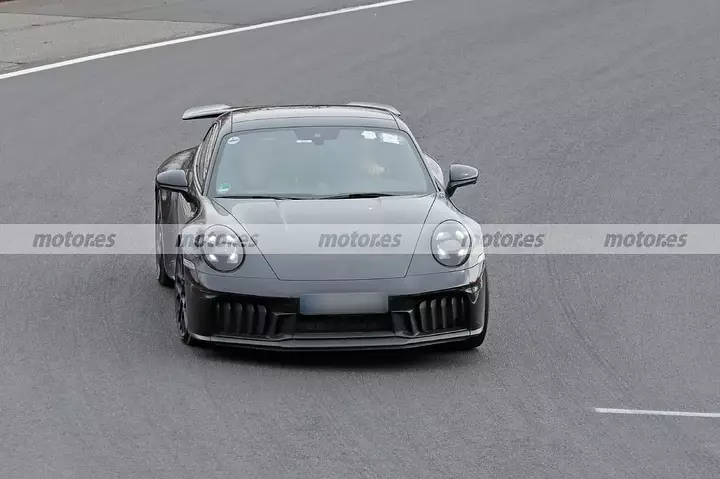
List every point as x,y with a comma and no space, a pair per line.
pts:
311,115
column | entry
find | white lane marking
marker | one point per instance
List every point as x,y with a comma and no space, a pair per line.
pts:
657,413
203,36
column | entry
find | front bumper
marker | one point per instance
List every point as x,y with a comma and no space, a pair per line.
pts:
423,311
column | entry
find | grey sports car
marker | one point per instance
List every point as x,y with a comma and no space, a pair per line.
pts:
318,227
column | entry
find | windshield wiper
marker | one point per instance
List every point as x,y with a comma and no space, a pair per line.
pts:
258,197
357,195
329,197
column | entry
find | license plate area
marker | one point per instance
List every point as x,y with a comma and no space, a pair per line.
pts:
344,304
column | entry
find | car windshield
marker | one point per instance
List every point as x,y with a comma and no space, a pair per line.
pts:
312,162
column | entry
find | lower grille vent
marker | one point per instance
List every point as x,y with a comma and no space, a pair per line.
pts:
437,314
247,319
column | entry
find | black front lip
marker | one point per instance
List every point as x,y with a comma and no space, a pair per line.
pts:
343,343
283,296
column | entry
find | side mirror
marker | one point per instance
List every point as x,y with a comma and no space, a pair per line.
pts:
174,180
460,175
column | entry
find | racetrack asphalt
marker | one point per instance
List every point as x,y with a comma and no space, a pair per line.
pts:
575,111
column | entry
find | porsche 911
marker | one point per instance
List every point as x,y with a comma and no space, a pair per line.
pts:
317,227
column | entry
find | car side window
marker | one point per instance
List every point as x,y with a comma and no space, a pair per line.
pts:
205,153
201,152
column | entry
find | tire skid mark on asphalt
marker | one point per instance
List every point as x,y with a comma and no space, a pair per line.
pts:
613,374
674,430
570,315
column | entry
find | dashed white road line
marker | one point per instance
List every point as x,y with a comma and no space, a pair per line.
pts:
203,36
657,413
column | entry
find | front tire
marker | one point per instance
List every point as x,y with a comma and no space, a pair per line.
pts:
181,305
161,273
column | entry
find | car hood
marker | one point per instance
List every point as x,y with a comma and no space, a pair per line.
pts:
305,239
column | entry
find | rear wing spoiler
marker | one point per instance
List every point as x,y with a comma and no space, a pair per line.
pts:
206,111
214,111
377,106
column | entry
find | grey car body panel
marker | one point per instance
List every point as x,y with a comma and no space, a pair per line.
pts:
289,215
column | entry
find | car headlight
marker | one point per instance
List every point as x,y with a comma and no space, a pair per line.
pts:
451,244
222,249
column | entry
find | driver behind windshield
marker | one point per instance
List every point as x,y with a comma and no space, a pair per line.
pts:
370,165
366,160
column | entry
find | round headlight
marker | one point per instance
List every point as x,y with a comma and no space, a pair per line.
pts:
451,244
222,249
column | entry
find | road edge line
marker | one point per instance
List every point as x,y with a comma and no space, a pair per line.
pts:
203,36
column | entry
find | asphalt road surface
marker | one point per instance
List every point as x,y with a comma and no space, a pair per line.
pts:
575,111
